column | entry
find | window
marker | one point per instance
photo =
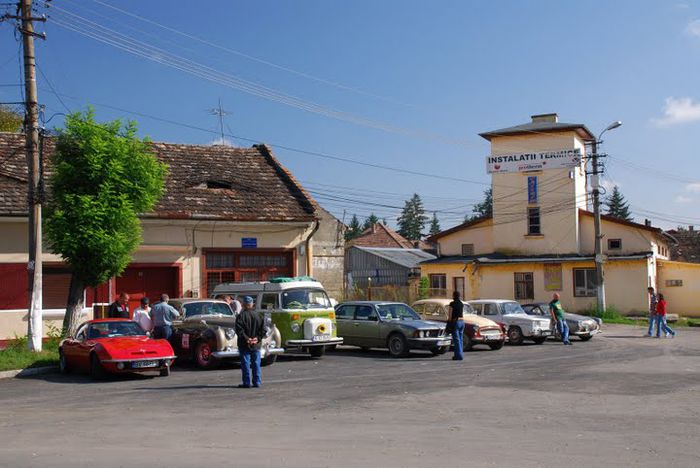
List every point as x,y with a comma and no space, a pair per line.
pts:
478,309
533,222
614,244
438,281
467,249
269,300
305,298
246,266
365,313
345,312
490,309
584,282
458,285
524,286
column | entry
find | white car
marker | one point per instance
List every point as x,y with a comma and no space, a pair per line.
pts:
519,325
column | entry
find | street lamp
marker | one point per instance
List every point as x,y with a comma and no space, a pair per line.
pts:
600,286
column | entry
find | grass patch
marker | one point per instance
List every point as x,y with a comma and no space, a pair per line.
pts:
686,322
18,356
612,315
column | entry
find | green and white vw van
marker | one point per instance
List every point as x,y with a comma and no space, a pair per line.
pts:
300,309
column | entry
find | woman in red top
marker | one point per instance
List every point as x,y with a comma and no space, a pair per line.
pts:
661,319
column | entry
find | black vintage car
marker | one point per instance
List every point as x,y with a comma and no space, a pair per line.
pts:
206,333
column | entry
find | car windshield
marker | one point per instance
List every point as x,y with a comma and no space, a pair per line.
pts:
206,308
510,308
114,329
397,312
305,298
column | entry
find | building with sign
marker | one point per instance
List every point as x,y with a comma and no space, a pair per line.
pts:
540,238
228,214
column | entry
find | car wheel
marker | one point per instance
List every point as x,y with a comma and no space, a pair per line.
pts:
468,343
203,357
539,340
398,346
268,360
96,370
63,363
515,335
496,346
585,337
438,350
165,372
317,351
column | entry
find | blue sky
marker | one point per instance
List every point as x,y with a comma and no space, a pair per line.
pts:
423,78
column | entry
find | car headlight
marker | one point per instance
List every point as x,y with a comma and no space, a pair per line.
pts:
321,329
229,333
295,327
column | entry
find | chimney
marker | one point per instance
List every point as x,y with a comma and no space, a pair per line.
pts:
647,222
552,118
691,228
374,228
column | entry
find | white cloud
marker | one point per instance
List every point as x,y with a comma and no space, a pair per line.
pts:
694,187
678,111
693,28
221,142
682,199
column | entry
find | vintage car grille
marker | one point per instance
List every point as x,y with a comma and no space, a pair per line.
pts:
490,331
436,333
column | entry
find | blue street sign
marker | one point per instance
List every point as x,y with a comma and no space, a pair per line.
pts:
249,242
532,189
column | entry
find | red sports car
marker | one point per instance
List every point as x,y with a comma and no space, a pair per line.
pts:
115,346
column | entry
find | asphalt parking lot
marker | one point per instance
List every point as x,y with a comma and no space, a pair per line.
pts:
618,400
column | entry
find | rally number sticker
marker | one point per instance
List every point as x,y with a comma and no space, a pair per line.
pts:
185,341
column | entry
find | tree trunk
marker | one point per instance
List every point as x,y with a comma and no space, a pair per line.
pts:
74,308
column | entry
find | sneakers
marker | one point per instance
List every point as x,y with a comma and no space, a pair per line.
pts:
568,343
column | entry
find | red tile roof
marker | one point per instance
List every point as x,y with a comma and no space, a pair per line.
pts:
381,235
204,182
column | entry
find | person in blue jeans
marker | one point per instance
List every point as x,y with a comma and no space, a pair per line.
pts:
558,314
250,330
653,299
457,321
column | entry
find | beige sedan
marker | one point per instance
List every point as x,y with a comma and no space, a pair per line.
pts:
477,330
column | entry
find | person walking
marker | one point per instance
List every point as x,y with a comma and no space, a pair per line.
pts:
557,313
661,324
142,315
457,322
652,310
163,315
250,329
120,307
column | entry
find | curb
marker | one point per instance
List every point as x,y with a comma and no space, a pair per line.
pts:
28,372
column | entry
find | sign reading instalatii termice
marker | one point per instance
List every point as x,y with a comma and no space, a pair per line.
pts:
524,162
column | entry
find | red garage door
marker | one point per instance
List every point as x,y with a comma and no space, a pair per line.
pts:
148,281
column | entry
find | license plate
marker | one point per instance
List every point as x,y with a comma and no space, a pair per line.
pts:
142,364
320,338
444,343
185,341
492,338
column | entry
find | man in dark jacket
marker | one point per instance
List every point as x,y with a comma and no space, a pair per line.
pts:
250,329
120,307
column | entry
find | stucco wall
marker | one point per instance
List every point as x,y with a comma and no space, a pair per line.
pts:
559,198
481,235
683,300
634,240
328,253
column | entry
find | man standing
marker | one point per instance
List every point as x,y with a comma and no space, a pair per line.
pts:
233,303
250,329
142,315
652,310
457,322
557,313
120,307
163,315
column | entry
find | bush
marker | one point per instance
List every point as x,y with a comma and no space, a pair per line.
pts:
609,315
423,288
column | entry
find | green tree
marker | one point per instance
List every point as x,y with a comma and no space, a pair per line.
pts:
103,177
354,229
370,221
617,205
434,225
10,121
483,209
412,219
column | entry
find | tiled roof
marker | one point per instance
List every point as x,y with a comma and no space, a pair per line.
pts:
381,235
688,247
539,127
409,258
204,182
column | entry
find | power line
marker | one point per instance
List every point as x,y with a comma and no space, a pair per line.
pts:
53,90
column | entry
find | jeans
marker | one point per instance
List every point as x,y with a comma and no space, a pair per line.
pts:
652,321
458,339
661,325
248,355
563,330
163,332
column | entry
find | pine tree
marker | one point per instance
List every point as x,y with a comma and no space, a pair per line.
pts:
483,209
354,229
434,225
370,221
617,205
412,219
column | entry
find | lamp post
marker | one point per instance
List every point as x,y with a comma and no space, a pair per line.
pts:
595,182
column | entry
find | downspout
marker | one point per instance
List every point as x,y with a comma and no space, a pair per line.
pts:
317,225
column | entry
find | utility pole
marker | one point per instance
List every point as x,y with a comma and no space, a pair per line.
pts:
34,182
595,181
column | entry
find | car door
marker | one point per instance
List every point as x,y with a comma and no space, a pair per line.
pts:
69,347
344,318
365,327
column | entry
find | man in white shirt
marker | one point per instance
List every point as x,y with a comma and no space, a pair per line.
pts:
142,315
233,303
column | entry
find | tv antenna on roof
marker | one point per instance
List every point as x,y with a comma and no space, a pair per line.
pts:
220,112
